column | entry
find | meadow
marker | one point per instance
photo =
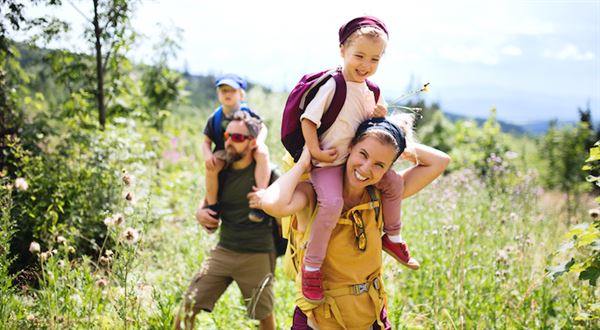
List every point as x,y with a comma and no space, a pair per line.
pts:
485,244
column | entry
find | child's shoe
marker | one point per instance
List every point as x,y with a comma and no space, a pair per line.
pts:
400,252
312,286
257,215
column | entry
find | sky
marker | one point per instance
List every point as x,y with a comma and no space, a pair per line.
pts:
531,59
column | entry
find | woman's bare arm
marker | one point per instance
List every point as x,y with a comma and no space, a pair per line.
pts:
284,196
430,163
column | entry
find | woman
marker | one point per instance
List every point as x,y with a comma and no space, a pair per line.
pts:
351,271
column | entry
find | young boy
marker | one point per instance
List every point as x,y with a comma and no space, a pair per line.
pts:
231,92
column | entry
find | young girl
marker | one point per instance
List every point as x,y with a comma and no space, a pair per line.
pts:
231,91
362,43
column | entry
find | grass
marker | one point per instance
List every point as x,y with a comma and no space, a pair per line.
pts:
483,252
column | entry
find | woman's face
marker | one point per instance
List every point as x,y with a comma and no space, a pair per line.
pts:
368,161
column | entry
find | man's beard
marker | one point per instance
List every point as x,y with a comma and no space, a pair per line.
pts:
233,155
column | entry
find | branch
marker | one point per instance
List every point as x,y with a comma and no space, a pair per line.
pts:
79,11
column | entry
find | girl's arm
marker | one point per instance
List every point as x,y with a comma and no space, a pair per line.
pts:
285,196
309,132
209,158
262,135
430,163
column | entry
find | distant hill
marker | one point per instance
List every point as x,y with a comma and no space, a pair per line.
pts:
538,127
506,127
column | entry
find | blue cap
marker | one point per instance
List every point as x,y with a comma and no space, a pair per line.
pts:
232,80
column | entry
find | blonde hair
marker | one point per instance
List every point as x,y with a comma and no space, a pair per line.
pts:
369,31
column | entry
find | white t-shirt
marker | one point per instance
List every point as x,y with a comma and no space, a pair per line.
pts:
358,107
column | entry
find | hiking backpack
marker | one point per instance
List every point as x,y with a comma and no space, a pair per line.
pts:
297,241
304,92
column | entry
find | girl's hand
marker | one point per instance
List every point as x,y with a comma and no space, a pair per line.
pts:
380,111
210,163
325,156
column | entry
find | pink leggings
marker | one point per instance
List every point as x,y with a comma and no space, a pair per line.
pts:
328,185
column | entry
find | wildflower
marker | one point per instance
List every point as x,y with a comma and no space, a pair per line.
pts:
118,219
502,256
109,221
34,247
71,250
30,317
126,178
101,282
76,299
511,154
130,196
105,261
60,263
131,235
45,255
61,240
594,213
108,253
425,88
21,184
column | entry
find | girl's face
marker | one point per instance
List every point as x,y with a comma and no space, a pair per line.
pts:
368,161
229,97
361,57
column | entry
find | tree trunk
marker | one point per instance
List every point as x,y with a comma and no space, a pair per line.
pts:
99,69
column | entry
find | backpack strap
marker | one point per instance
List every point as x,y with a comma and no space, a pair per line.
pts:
337,102
374,197
374,88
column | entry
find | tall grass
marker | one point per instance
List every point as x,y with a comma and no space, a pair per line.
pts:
483,252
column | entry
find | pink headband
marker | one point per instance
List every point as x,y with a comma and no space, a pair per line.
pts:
347,29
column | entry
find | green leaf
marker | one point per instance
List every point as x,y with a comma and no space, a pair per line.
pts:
587,238
556,271
591,274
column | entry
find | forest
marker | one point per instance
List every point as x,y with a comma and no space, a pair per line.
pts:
101,173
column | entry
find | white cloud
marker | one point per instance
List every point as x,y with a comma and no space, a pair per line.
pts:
570,52
469,55
511,50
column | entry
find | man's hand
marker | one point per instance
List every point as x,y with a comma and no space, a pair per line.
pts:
205,218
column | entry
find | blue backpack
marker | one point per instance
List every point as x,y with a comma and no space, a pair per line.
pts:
304,92
217,122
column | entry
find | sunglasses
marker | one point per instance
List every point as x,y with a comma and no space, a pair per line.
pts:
236,137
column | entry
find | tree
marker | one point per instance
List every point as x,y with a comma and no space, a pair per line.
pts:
110,34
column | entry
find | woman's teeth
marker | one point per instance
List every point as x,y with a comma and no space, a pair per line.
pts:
359,177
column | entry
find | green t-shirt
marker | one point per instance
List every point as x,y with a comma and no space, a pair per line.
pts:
237,232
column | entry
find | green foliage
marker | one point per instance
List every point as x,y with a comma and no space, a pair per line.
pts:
582,247
162,86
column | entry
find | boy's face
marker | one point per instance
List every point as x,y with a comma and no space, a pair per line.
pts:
361,57
229,97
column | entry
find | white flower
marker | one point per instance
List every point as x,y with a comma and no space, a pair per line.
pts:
21,184
34,247
61,240
118,219
109,221
131,235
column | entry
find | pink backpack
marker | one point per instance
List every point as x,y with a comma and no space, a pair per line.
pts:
301,95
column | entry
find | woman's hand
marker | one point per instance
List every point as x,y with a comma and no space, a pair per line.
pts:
304,160
255,198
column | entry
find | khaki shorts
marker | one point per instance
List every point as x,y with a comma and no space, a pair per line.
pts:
253,273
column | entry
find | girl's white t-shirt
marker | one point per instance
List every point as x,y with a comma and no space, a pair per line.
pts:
358,107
